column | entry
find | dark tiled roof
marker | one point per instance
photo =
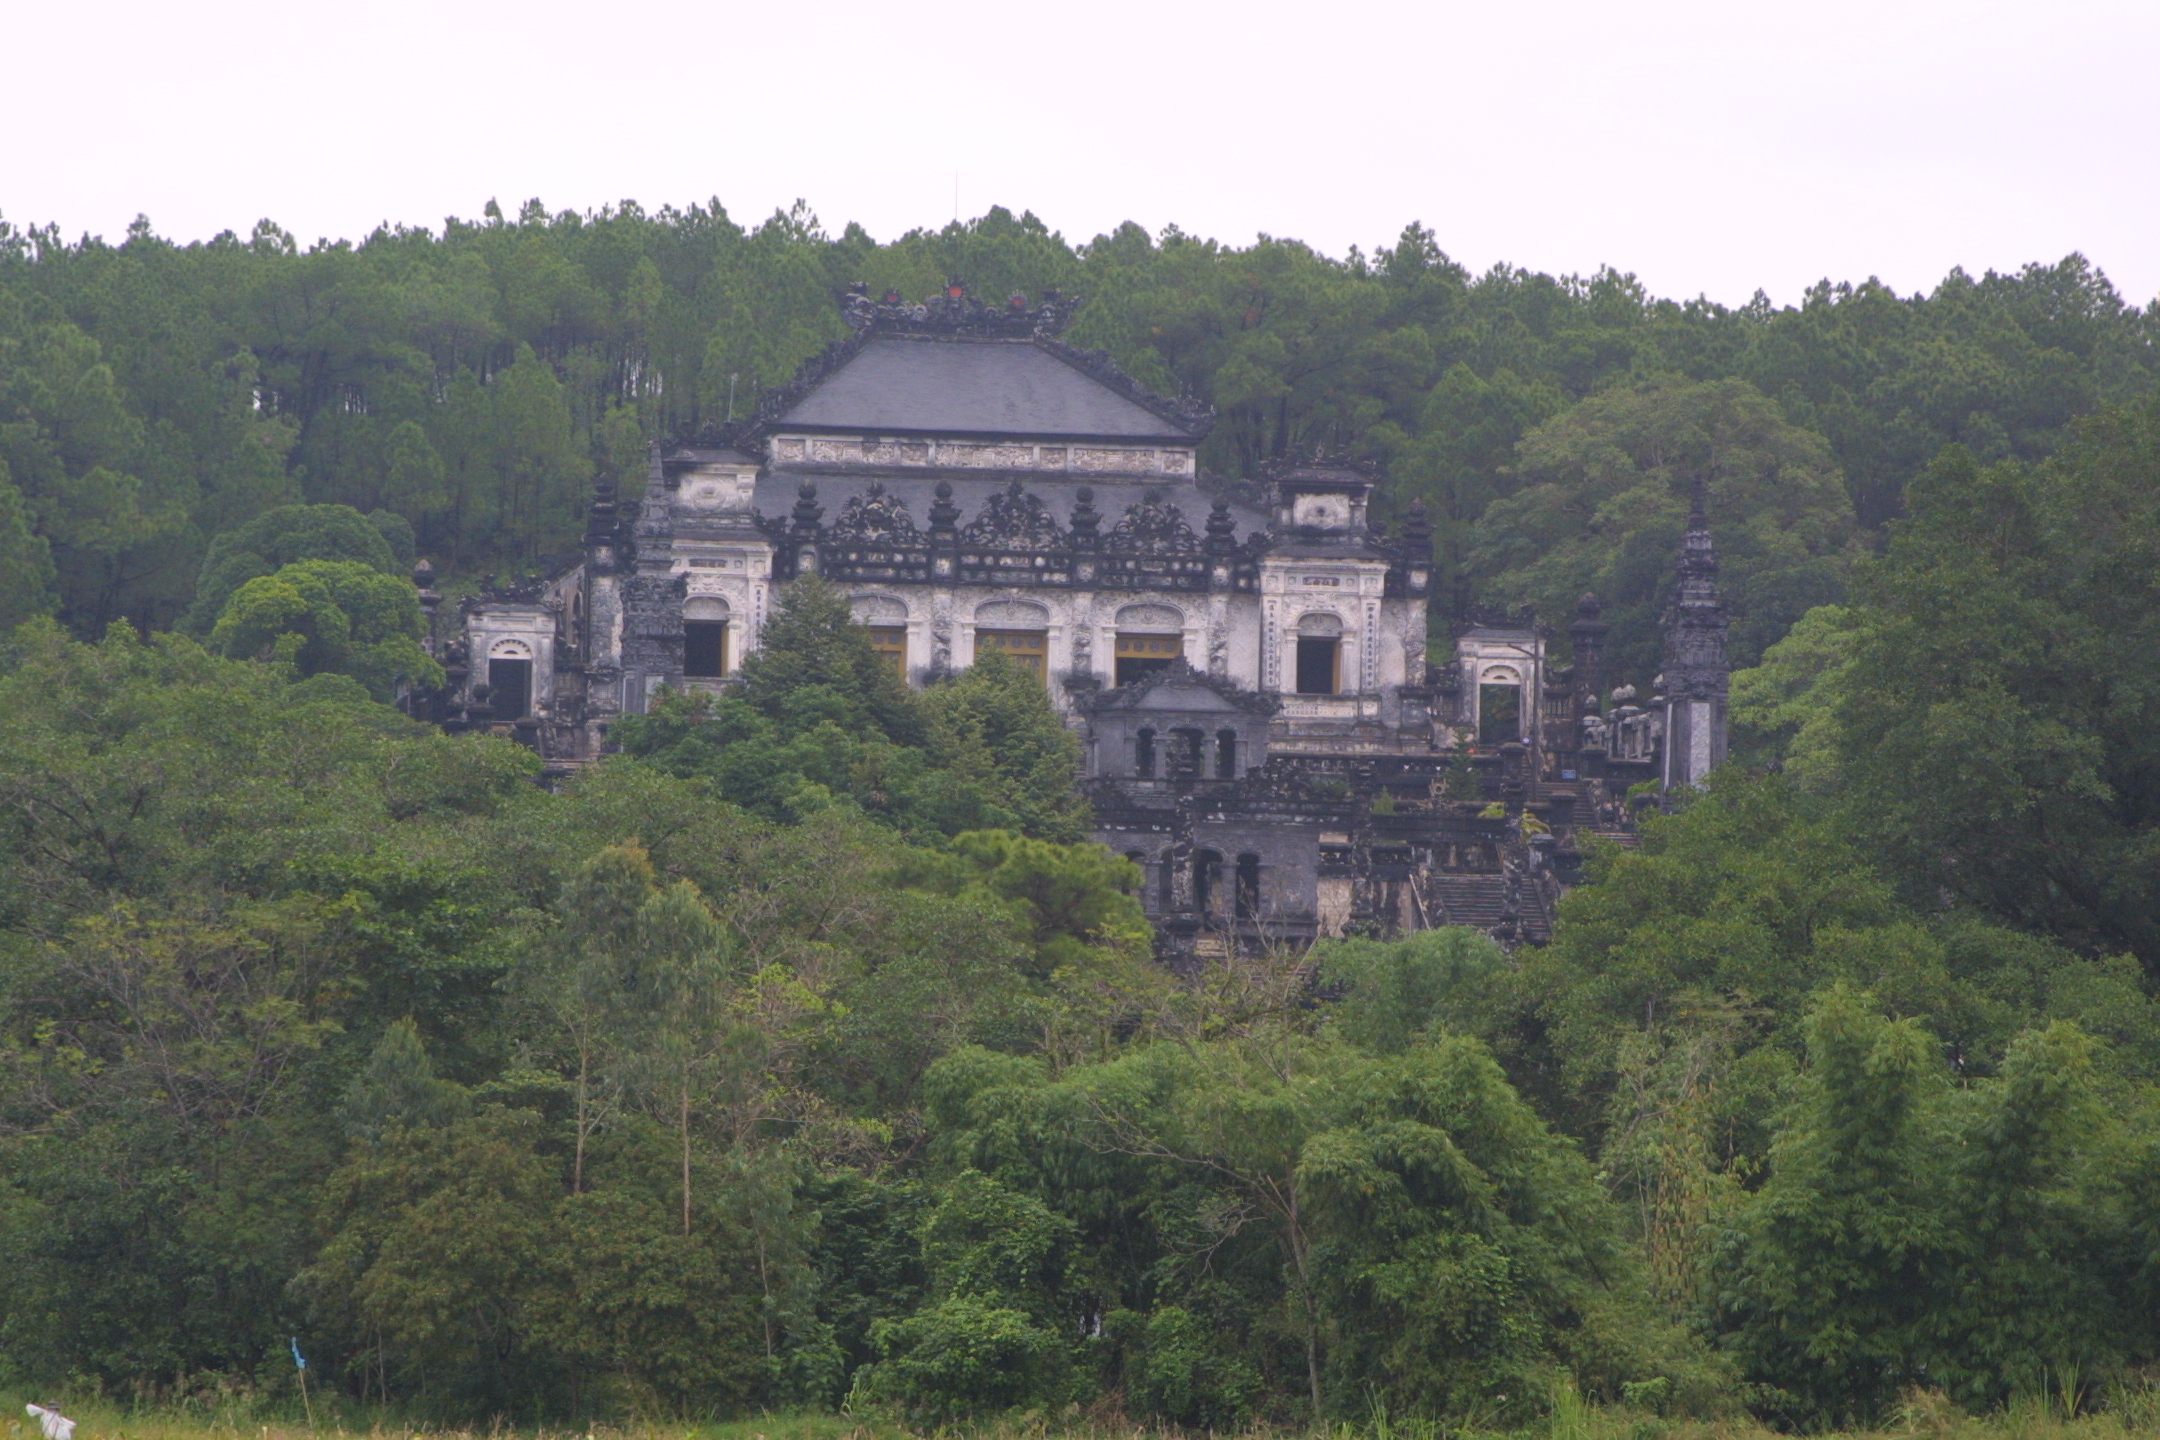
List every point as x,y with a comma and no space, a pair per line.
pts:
925,385
1180,687
694,454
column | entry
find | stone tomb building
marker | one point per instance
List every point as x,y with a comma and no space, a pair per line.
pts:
1245,660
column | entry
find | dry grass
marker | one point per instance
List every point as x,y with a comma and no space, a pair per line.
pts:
1924,1416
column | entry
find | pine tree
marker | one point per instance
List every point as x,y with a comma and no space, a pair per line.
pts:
814,663
399,1087
992,725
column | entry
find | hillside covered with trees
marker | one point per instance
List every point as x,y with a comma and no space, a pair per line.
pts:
802,1055
473,382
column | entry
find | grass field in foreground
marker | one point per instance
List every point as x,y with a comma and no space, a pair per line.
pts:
1924,1417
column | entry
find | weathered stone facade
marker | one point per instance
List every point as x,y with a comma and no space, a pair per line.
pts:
1695,667
1246,660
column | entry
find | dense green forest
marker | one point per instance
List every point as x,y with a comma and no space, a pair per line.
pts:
801,1055
474,381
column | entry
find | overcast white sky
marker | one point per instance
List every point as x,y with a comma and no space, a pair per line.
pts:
1711,148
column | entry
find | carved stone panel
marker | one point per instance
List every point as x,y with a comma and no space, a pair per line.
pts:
653,624
988,457
1013,519
875,518
1095,461
1160,619
1153,527
1011,614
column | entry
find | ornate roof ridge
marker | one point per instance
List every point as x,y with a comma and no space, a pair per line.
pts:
527,587
706,442
1180,672
1318,460
954,313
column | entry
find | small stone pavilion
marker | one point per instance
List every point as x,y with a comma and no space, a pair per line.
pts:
1245,660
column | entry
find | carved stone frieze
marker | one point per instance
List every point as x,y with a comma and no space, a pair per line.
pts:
1013,519
875,518
896,452
1104,460
987,457
1153,527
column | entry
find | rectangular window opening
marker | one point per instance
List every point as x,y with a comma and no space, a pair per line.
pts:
704,649
1499,711
1207,882
1317,664
890,643
510,682
1139,655
1029,649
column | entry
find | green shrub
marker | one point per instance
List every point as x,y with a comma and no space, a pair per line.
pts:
1185,1376
964,1357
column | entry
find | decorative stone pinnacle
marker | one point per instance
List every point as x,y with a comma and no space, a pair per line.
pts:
1695,628
1221,528
944,515
1085,518
1417,531
807,511
1698,559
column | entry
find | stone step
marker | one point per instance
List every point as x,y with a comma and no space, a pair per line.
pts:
1480,902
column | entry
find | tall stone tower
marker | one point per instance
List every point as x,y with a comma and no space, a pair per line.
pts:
651,594
1695,667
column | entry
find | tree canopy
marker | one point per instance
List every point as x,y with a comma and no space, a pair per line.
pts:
280,537
803,1055
819,718
1604,495
474,381
331,617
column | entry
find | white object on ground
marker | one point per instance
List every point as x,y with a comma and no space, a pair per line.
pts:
55,1425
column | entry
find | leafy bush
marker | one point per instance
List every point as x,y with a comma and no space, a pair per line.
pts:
963,1356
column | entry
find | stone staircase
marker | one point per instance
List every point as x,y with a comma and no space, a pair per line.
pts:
1480,902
